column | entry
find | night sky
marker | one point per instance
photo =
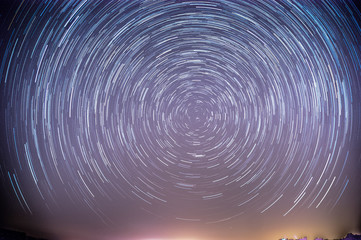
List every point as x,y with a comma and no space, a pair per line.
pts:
135,120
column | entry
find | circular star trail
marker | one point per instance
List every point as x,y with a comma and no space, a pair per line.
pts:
191,110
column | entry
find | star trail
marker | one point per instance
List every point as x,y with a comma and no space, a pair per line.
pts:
183,112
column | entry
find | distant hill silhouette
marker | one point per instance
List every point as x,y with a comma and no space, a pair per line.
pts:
15,235
351,236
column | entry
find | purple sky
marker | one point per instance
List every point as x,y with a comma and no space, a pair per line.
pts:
180,119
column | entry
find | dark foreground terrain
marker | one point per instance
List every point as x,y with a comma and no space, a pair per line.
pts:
15,235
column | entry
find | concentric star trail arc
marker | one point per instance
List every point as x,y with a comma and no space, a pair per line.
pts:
191,110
